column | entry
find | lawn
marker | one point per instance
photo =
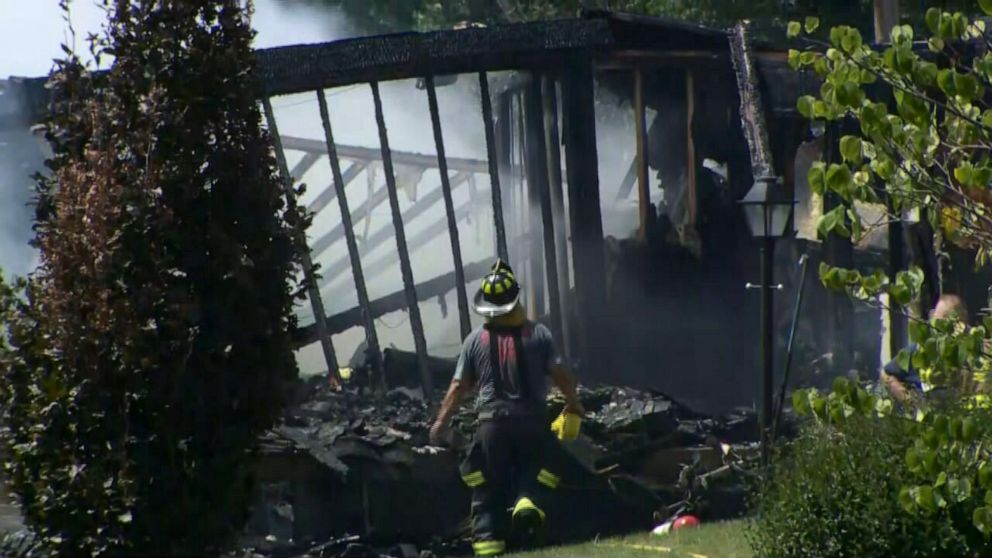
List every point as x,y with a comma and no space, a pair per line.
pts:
717,540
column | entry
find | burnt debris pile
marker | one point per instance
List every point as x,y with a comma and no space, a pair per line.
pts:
351,473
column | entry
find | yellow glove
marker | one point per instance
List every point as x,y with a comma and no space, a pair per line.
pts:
567,426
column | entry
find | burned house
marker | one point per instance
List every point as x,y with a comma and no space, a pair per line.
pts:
605,157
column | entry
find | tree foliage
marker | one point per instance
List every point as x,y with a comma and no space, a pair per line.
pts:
944,471
835,492
918,139
147,352
920,143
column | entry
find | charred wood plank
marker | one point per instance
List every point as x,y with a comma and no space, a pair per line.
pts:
464,320
553,144
487,122
299,68
391,303
328,239
349,233
409,287
586,221
313,292
327,195
537,175
369,154
384,233
418,241
301,168
641,132
751,110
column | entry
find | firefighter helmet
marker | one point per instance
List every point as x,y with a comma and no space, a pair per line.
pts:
499,291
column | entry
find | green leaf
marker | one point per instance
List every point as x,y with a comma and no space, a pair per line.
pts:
986,6
850,149
833,222
935,44
945,81
883,407
811,24
902,33
985,475
800,402
964,173
808,58
967,86
958,490
816,177
793,30
805,106
982,518
941,480
969,430
851,41
906,500
794,61
932,19
821,110
926,73
900,295
925,497
838,178
836,36
857,228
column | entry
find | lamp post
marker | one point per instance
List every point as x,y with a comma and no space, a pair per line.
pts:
767,209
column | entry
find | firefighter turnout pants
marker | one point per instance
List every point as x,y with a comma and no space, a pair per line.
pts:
510,469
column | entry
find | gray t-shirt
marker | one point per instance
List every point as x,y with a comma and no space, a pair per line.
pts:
538,351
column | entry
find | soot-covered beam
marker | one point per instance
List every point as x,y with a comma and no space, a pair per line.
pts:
415,243
327,195
553,145
464,320
586,220
313,292
537,175
371,337
427,290
640,127
384,234
487,122
416,324
370,154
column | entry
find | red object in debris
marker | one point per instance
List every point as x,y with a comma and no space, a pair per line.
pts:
685,521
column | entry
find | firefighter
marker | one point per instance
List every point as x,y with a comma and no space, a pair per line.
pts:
510,465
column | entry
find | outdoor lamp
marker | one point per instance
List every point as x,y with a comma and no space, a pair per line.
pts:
767,208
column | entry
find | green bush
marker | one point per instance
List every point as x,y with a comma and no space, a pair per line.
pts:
149,350
866,480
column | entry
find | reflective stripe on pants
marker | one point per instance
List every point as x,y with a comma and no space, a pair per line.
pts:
488,548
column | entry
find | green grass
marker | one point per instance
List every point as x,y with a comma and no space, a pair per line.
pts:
716,540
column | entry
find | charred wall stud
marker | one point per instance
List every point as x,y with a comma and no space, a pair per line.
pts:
640,127
582,166
553,145
487,121
313,291
464,320
327,195
537,175
401,247
371,337
382,236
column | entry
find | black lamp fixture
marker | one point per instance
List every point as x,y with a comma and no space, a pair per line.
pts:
768,210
